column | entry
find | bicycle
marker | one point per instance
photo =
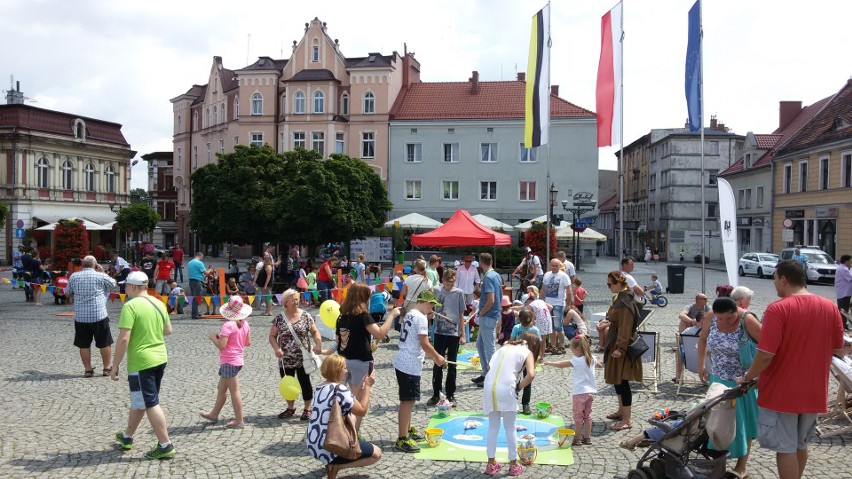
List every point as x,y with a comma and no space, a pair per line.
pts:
656,299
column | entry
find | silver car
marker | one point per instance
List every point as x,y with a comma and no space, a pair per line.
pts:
820,265
760,264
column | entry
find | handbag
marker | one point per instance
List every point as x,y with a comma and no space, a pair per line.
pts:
637,346
340,437
748,348
310,360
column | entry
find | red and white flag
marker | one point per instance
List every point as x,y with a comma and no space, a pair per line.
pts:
608,96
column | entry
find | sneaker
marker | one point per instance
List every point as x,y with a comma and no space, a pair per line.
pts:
406,445
433,401
516,469
527,409
160,452
493,468
126,443
414,435
452,400
478,380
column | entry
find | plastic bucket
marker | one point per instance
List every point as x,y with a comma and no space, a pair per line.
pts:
565,437
433,436
444,410
527,455
474,362
543,409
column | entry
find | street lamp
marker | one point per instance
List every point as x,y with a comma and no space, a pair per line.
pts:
551,202
581,204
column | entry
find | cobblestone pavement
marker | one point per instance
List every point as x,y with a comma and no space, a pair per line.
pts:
59,424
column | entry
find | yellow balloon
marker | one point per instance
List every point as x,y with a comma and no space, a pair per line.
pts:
329,312
289,388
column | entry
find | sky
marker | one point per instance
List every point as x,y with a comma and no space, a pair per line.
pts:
122,60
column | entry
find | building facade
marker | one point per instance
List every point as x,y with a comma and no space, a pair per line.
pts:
162,196
60,165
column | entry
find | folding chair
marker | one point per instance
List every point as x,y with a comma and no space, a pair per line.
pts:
651,370
841,369
687,347
644,315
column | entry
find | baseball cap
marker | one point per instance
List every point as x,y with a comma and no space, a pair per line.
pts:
428,296
138,278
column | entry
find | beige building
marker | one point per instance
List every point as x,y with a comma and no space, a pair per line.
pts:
316,99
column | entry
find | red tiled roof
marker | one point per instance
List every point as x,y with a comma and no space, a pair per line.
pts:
59,123
735,168
765,142
609,204
821,127
764,160
454,100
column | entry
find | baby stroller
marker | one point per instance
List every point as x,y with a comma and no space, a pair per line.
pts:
682,451
378,308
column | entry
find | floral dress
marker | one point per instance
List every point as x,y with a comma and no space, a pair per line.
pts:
292,352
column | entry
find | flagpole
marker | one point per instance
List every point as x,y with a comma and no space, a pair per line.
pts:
621,141
547,183
701,119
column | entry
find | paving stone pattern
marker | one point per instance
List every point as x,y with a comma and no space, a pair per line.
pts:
58,424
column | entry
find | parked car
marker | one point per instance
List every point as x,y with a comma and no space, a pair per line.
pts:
761,264
820,265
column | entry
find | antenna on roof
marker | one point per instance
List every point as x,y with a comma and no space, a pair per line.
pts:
248,48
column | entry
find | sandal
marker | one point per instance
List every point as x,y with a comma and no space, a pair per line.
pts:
620,426
306,415
107,371
614,416
89,373
587,441
576,442
493,468
288,413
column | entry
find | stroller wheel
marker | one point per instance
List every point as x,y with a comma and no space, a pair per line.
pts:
657,469
637,474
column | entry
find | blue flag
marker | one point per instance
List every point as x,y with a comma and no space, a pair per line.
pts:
693,68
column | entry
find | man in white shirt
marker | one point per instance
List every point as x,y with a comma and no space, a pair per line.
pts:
530,268
555,286
467,278
568,268
627,265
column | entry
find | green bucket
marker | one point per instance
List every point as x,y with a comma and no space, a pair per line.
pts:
543,409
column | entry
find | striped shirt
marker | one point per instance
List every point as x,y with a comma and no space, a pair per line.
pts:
90,289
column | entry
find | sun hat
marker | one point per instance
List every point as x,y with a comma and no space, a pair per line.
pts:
138,278
506,302
235,309
428,296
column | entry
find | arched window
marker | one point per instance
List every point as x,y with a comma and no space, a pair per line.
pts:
79,130
67,175
110,179
215,114
179,126
344,104
42,167
236,108
299,103
195,121
319,102
90,177
369,102
257,104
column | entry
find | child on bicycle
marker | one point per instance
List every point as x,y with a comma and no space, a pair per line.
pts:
655,288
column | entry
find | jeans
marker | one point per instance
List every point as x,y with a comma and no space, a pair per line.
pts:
557,318
179,272
449,346
196,288
325,288
485,345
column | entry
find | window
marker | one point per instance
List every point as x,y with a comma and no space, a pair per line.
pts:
195,157
179,124
222,115
236,140
652,211
299,140
711,178
748,198
451,152
215,115
488,152
450,190
488,190
256,139
788,177
299,103
194,121
713,148
79,130
652,182
208,153
110,179
823,173
368,145
803,176
846,163
340,143
222,146
257,104
319,102
369,103
528,155
712,210
318,142
759,199
344,104
67,175
664,179
42,168
413,152
236,108
90,176
747,161
527,190
413,189
179,159
206,117
740,199
315,52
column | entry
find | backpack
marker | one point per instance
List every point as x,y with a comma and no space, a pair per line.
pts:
378,303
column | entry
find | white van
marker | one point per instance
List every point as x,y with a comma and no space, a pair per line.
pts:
820,265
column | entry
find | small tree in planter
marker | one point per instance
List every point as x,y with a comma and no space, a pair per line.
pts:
72,242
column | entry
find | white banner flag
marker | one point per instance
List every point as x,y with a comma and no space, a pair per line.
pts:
728,226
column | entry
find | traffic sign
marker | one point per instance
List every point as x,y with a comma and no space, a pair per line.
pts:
20,223
580,229
19,233
585,221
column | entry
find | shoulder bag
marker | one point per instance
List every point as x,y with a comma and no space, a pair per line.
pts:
310,360
340,438
748,347
637,346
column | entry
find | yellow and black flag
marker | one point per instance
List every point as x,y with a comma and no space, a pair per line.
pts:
537,118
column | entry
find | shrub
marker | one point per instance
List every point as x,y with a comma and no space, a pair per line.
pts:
72,242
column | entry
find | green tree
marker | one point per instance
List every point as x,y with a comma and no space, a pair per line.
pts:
138,195
137,218
233,200
4,213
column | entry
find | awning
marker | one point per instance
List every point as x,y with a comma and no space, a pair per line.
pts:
90,226
415,221
541,219
492,223
587,235
52,213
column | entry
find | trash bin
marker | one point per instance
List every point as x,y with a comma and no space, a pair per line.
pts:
400,257
676,274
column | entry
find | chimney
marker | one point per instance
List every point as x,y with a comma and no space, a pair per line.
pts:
554,90
522,76
14,95
474,83
787,112
713,122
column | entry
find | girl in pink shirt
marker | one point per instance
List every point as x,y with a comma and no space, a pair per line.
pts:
231,342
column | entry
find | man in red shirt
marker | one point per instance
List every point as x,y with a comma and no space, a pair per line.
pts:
800,333
325,278
177,258
163,273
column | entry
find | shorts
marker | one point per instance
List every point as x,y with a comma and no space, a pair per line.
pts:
85,332
784,433
409,386
366,451
357,371
229,370
145,387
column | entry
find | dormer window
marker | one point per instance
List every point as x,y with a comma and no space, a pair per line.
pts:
79,130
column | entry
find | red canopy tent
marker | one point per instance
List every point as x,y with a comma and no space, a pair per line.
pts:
461,230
